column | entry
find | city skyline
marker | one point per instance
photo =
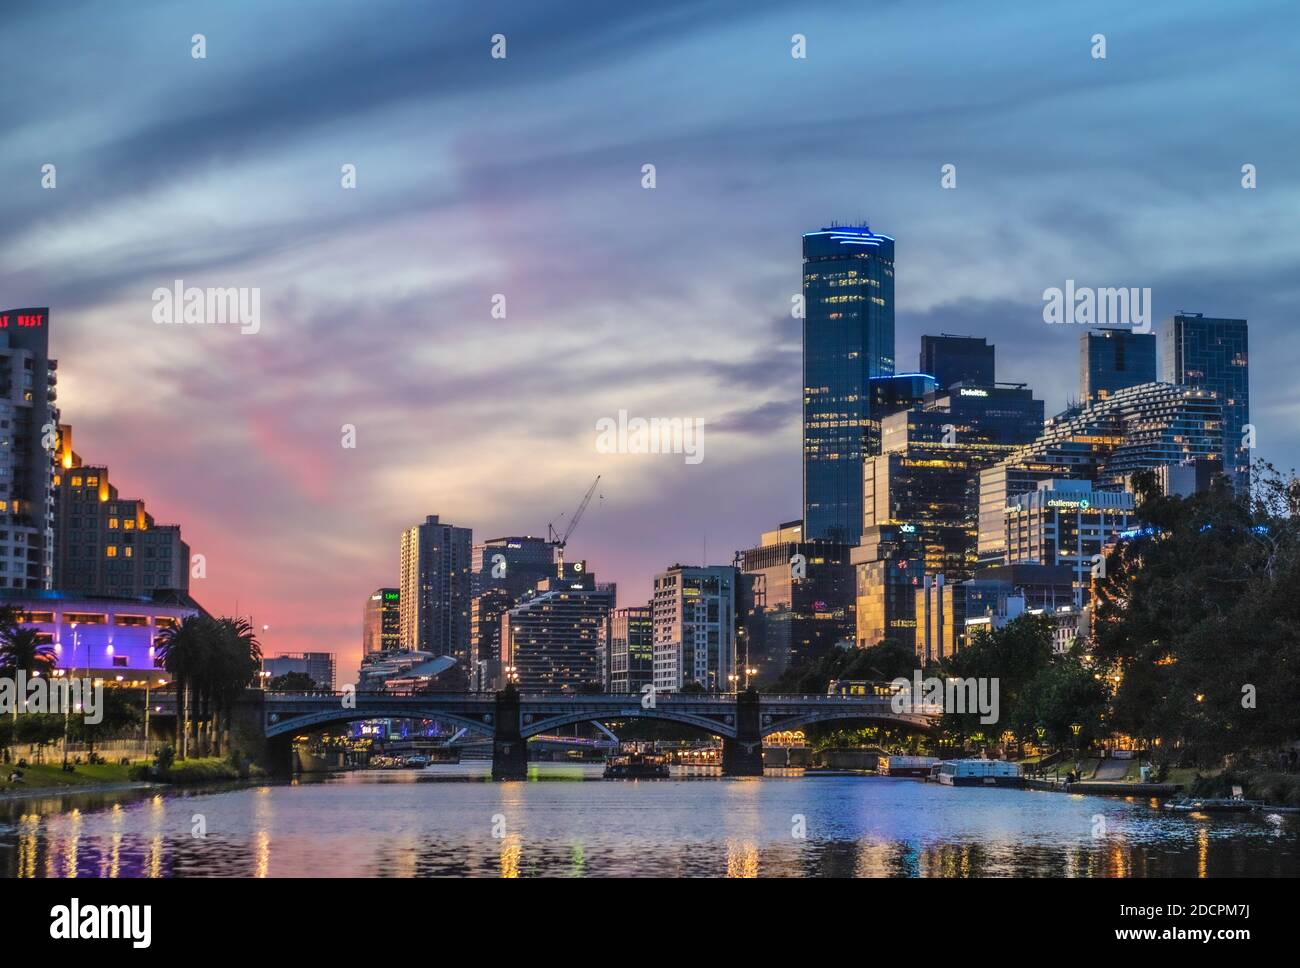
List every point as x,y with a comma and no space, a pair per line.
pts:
656,302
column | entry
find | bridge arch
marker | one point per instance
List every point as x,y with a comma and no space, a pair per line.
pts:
279,724
918,722
543,724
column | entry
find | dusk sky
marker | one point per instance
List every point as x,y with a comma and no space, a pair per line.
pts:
523,176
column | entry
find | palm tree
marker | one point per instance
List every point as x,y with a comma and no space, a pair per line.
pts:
236,661
23,651
182,648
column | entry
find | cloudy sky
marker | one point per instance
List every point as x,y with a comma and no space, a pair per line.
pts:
522,176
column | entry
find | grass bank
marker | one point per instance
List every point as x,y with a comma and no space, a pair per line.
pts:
43,776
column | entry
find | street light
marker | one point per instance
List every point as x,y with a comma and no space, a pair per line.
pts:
1075,728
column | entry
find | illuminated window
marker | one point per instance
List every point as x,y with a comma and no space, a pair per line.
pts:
128,551
111,551
112,524
76,481
128,524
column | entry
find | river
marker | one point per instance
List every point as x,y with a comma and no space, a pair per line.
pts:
566,821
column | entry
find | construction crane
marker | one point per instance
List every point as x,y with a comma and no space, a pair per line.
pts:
560,540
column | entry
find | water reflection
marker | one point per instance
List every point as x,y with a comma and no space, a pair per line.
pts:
448,821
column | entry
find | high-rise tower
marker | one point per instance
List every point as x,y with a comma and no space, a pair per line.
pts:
848,338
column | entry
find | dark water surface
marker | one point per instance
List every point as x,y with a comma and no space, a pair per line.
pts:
567,822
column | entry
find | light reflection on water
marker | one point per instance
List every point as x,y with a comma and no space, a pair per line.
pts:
448,821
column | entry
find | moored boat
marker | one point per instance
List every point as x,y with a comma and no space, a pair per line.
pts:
906,765
637,766
997,773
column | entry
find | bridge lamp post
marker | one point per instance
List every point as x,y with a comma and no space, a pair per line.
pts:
733,679
1042,732
749,671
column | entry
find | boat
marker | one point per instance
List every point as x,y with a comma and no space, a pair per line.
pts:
906,765
636,766
997,773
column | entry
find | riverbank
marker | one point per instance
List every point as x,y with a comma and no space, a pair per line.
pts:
43,779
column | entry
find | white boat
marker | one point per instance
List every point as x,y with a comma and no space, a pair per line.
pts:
997,773
906,765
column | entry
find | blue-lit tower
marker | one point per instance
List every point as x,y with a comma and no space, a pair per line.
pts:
848,338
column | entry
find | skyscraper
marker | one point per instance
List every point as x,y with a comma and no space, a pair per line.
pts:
957,359
381,622
848,338
28,434
435,588
1113,359
1212,354
629,649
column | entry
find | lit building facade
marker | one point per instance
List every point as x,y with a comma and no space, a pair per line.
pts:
1214,354
1066,522
889,569
694,613
629,650
797,602
29,420
848,338
381,621
1138,428
114,639
106,544
550,640
435,589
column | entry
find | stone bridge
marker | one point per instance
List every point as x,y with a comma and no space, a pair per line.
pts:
268,721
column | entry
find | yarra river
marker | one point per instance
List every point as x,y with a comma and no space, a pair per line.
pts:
449,821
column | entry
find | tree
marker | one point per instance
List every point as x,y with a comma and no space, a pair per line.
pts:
181,649
1014,656
21,650
293,682
1198,618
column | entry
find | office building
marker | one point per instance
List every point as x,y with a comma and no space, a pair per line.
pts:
1213,354
629,649
848,338
29,421
927,475
381,622
957,359
694,612
550,640
1066,522
317,666
797,602
1113,359
1138,428
889,569
434,590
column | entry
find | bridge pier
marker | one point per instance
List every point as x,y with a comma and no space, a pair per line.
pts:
743,756
509,749
248,734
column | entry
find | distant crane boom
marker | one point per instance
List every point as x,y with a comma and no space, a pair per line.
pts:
560,540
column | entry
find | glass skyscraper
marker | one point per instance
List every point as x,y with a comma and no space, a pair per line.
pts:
1113,359
1211,354
848,338
958,359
